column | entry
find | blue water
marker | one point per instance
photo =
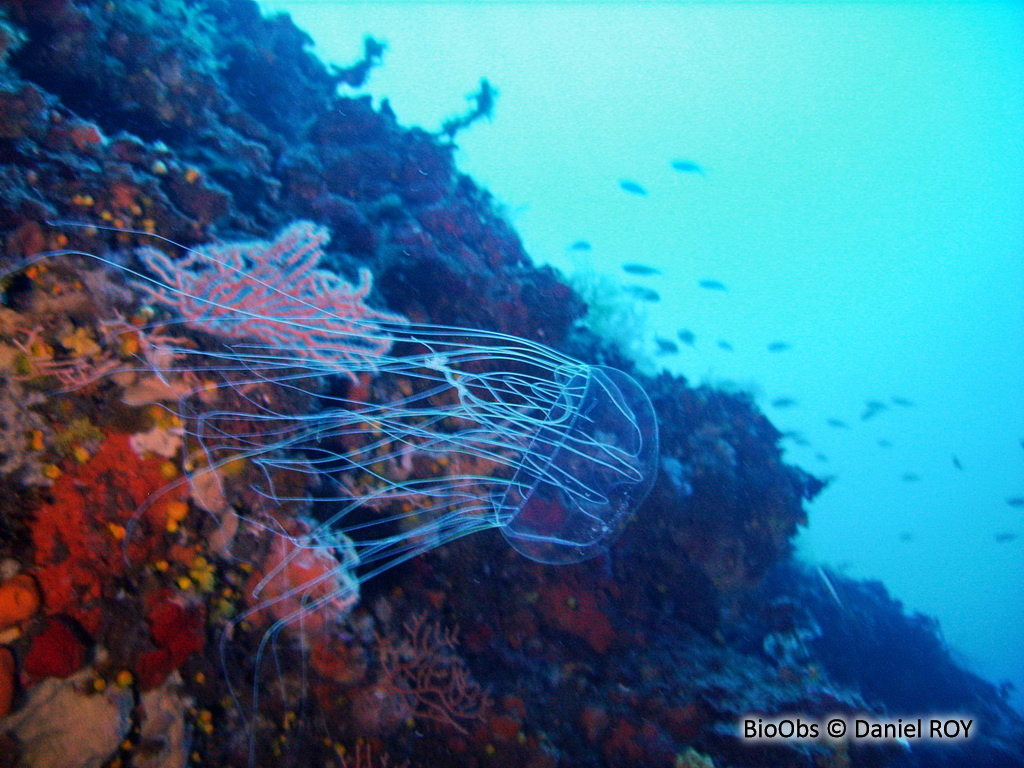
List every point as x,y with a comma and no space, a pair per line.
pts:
861,199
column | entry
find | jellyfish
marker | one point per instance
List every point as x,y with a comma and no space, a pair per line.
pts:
486,431
413,435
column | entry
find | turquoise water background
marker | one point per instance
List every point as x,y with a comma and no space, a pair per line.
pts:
862,200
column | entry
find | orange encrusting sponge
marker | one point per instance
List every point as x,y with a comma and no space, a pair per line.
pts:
19,600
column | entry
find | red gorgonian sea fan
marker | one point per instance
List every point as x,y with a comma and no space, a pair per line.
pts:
273,292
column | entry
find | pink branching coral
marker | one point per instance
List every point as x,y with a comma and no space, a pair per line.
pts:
273,292
426,673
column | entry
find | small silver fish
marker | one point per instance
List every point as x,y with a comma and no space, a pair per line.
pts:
902,401
723,344
910,477
873,408
687,166
686,336
666,347
632,187
580,245
783,402
779,346
712,285
640,269
642,293
837,423
1017,502
1005,536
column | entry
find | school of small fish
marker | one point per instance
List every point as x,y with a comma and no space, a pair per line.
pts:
871,409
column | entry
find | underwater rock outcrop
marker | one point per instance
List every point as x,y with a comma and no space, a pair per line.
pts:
205,123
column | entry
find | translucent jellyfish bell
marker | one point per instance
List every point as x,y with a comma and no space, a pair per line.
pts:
580,484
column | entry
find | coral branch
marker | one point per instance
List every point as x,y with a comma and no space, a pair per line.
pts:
273,292
425,671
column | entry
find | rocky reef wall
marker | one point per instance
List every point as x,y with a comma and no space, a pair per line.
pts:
205,122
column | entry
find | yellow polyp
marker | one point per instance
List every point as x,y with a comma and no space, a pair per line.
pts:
136,209
159,167
124,679
184,583
117,531
81,454
36,440
489,750
172,526
177,511
99,684
39,349
126,745
233,468
128,344
521,737
106,215
203,574
169,471
52,471
200,678
161,566
192,175
148,225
